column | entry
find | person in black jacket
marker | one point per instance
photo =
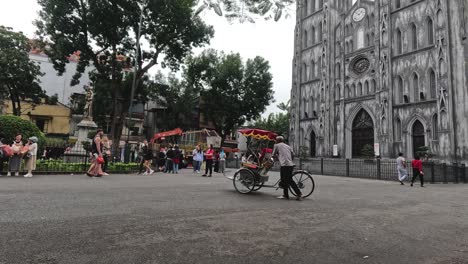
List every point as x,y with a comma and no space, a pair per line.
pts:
147,154
170,155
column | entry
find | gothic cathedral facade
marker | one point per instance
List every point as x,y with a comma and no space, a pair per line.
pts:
391,74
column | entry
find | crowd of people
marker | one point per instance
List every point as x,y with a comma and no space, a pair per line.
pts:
14,151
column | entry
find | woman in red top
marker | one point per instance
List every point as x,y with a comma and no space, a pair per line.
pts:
417,171
209,161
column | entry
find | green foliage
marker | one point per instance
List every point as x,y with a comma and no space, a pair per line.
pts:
52,100
54,142
231,92
80,167
19,76
278,122
104,32
248,10
425,152
11,125
367,151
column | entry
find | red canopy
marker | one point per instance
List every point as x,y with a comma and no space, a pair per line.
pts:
258,133
175,132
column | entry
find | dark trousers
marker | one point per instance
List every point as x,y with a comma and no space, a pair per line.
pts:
286,181
209,166
417,174
106,163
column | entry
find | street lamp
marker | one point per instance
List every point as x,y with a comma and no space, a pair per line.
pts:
135,68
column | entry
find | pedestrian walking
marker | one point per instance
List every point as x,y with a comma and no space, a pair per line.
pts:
176,160
31,156
141,157
14,165
106,150
95,170
216,161
285,155
169,159
222,161
147,153
197,154
401,168
209,155
417,171
162,159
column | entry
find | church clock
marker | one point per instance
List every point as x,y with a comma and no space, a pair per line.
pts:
359,14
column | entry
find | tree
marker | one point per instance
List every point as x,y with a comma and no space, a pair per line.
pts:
104,33
247,10
231,92
11,125
278,122
19,76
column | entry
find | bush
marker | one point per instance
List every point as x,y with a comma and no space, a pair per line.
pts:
368,151
11,125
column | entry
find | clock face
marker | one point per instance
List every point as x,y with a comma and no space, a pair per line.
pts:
359,14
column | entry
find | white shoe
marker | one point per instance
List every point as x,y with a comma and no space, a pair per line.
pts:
8,174
145,173
151,172
17,174
28,175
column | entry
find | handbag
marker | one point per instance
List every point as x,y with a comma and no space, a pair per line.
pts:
27,156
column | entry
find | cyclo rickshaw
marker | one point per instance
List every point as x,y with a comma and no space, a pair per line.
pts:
253,174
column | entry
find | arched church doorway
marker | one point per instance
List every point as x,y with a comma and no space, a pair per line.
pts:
418,134
362,133
313,144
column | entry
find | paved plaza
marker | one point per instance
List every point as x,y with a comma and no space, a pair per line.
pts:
186,218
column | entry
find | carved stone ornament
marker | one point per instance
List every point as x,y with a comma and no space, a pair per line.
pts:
360,65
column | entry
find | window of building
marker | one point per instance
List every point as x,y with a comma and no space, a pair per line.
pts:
320,32
373,87
338,92
430,31
414,37
312,35
42,124
399,42
320,4
435,128
416,87
359,89
337,71
312,5
360,39
432,84
312,69
305,39
397,4
306,8
400,90
304,72
397,130
366,88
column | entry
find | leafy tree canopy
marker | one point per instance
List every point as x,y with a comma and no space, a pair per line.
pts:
232,92
276,122
19,76
12,125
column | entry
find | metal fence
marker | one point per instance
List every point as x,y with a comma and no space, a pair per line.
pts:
375,169
384,169
63,159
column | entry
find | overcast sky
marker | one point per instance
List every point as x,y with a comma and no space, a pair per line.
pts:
269,39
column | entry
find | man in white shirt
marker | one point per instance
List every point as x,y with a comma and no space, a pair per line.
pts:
401,168
285,155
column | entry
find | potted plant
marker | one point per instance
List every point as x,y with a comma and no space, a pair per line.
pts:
368,153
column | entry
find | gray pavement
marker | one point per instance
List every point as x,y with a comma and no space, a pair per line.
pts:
185,218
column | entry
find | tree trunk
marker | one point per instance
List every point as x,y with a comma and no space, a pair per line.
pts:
115,134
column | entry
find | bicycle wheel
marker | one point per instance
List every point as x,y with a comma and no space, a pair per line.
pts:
304,182
244,181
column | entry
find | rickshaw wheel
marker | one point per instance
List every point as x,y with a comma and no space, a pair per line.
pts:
258,186
304,182
244,181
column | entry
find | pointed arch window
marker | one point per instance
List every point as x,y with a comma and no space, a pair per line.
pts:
415,87
366,88
312,5
306,8
430,31
399,42
414,37
312,69
320,4
305,39
338,92
373,87
304,72
432,84
360,39
359,89
398,130
397,3
312,34
338,71
320,32
435,127
400,90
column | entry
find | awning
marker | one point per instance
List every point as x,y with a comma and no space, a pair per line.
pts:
258,133
175,132
228,149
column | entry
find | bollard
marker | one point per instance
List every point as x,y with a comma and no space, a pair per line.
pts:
444,172
347,167
379,173
321,166
432,173
455,172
